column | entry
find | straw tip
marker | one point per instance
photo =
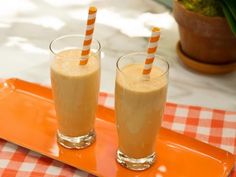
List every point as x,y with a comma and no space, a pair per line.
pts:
156,29
92,9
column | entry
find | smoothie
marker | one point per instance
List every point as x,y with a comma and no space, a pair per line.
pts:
139,105
75,90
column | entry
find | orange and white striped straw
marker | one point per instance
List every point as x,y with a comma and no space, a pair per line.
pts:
88,35
152,47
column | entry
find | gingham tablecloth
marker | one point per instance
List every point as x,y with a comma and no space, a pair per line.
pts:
216,127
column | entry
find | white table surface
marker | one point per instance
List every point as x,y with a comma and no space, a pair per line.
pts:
27,27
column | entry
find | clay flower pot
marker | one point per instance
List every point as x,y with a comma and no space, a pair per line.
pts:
205,39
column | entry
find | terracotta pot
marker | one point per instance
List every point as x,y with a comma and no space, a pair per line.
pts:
205,39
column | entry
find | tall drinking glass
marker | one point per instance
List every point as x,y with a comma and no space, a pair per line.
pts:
75,90
139,105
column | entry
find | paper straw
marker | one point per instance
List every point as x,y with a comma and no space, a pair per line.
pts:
88,35
152,47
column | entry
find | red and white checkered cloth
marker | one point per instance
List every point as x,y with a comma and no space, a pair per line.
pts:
216,127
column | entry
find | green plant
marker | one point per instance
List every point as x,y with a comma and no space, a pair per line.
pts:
204,7
212,8
229,8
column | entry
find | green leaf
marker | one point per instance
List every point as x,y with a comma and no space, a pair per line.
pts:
229,17
231,4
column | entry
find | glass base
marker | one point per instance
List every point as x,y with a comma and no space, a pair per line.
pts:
79,142
135,164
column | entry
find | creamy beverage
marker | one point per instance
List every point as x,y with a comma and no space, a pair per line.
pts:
75,91
139,105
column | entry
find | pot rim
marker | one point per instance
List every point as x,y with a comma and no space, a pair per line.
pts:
219,18
197,23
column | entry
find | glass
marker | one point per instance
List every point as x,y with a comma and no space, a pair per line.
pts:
139,105
75,90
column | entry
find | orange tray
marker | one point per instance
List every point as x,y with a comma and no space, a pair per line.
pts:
28,119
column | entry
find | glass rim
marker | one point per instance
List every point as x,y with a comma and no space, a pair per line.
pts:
72,35
143,53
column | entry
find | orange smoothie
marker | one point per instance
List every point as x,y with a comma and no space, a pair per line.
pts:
75,90
139,105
